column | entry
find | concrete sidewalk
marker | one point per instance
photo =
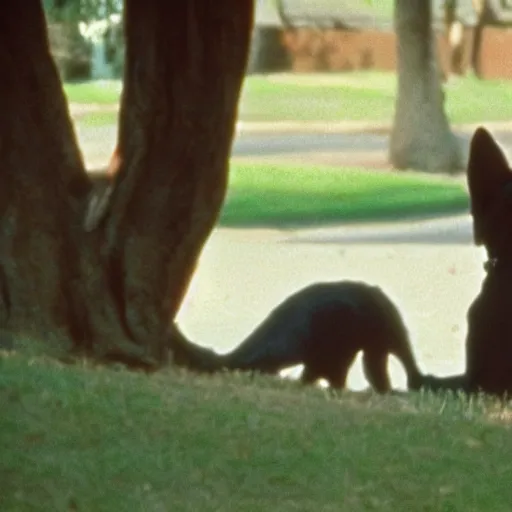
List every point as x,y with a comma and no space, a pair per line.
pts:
243,274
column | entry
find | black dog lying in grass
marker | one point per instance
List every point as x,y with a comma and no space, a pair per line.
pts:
489,340
323,327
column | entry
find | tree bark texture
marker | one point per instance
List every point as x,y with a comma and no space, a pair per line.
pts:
113,290
421,136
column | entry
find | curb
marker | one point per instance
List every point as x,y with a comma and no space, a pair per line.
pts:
352,127
266,127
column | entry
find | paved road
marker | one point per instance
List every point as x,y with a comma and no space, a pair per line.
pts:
252,144
95,139
248,144
96,142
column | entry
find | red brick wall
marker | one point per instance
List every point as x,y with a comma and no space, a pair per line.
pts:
496,53
343,50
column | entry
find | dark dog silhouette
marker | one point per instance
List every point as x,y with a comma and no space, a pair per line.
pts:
323,327
489,340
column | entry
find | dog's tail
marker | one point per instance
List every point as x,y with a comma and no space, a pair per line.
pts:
193,357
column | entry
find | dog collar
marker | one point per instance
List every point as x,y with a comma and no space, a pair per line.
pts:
490,264
493,263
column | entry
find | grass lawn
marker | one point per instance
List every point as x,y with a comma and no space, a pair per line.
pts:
323,97
83,439
103,92
284,194
362,96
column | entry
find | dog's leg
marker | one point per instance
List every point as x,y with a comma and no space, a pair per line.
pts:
375,370
455,383
414,375
309,375
336,377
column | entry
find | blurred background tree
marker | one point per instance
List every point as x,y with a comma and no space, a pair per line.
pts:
83,31
421,137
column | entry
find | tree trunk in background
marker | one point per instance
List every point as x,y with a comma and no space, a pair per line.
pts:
421,136
113,291
480,9
268,54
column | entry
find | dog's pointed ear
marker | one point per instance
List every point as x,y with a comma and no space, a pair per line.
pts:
488,171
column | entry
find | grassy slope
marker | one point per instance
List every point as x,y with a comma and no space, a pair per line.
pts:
100,440
269,194
363,96
367,96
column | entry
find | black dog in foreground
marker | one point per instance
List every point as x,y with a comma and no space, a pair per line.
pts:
489,340
323,327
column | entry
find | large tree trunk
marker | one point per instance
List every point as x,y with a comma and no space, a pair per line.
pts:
421,136
112,291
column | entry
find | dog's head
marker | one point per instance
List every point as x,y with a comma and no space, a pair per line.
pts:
490,190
